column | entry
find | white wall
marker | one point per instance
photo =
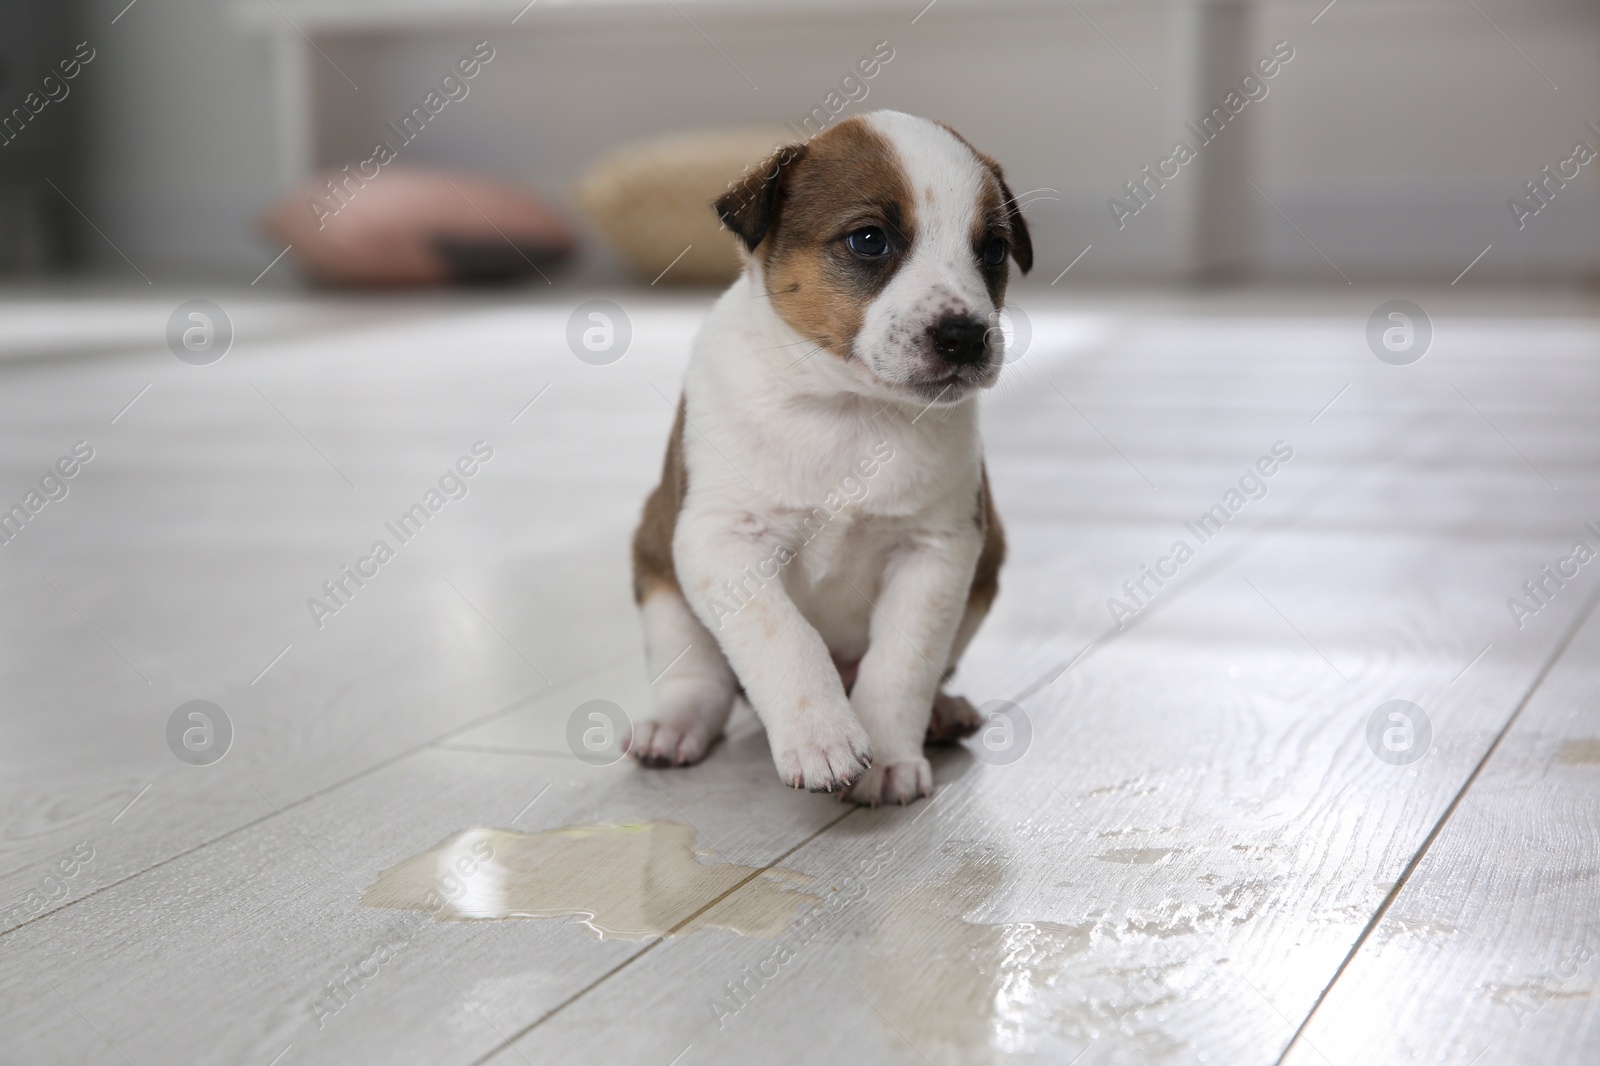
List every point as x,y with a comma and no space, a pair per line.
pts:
1411,124
1392,140
179,150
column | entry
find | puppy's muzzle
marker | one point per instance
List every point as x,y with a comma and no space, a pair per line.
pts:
959,340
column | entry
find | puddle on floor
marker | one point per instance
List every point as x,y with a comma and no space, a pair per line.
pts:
1581,752
964,992
1136,856
625,882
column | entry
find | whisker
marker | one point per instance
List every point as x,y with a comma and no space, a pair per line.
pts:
803,358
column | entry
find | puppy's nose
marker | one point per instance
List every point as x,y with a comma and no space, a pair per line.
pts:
959,339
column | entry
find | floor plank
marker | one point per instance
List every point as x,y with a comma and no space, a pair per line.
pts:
1491,943
218,955
1191,847
1193,843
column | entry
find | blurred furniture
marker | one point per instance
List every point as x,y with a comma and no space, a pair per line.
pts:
650,198
1212,232
417,227
33,216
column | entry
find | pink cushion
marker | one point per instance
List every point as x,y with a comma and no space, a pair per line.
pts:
416,227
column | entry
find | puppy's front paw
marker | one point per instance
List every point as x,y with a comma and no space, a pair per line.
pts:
826,756
893,782
674,742
953,718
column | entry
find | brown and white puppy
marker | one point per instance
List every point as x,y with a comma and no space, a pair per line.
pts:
823,536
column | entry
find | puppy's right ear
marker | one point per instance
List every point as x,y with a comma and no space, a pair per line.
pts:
750,206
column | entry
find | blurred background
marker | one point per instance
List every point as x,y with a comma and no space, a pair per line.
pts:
1389,145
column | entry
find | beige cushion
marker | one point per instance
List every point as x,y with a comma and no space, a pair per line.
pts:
651,199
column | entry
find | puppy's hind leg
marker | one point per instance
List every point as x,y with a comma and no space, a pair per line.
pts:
954,717
694,687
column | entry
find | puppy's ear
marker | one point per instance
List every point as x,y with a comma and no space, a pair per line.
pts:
1021,242
750,206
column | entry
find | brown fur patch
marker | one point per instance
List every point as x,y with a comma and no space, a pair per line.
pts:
752,204
847,178
1015,225
653,568
986,578
988,222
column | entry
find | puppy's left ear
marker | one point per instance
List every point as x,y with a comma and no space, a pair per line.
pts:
751,206
1021,242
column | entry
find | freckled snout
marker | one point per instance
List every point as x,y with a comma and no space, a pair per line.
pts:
959,339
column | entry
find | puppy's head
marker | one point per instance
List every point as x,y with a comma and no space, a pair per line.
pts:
885,241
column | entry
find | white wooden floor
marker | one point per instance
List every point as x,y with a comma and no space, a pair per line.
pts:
1199,857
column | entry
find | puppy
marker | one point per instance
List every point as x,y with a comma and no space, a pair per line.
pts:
823,537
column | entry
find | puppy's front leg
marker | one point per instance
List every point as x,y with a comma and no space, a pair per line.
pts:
919,606
732,583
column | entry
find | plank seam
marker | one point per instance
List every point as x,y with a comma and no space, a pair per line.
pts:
1444,818
1302,508
433,743
635,957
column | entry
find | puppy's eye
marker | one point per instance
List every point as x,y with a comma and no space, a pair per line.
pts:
994,253
868,242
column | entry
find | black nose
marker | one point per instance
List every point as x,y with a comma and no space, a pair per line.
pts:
959,339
